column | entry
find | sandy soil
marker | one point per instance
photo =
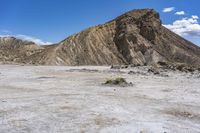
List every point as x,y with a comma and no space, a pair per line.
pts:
47,99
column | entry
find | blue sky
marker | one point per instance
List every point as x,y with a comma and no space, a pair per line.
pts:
50,21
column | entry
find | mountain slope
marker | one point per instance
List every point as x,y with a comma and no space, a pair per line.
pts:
136,37
15,50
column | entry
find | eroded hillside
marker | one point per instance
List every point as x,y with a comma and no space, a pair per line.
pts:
136,37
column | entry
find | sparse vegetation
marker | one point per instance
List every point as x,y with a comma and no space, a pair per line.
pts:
117,81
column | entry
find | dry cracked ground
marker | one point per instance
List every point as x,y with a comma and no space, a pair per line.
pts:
51,99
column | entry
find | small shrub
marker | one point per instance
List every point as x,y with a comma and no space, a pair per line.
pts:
117,81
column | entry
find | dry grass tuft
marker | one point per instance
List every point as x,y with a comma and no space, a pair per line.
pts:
117,81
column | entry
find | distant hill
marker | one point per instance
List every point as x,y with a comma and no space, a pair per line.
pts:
136,37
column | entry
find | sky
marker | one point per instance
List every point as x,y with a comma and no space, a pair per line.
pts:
51,21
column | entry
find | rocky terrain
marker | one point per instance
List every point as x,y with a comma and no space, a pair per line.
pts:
128,75
16,50
58,99
136,37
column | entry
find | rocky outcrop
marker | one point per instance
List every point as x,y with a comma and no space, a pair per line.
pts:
16,50
137,37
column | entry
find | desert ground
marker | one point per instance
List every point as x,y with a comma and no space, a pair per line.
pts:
61,99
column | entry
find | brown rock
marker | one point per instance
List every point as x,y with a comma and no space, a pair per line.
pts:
137,37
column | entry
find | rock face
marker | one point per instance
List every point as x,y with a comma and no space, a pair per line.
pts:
16,50
137,37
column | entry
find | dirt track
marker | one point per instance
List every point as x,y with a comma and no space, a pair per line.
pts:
47,99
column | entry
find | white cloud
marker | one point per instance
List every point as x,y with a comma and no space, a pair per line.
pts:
186,27
28,38
168,9
32,39
195,17
180,13
5,36
6,31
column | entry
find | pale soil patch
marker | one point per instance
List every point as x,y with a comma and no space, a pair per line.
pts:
52,99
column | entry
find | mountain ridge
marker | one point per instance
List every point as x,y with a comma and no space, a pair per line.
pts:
136,37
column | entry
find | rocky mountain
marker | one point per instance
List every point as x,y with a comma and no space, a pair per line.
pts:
16,50
136,37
